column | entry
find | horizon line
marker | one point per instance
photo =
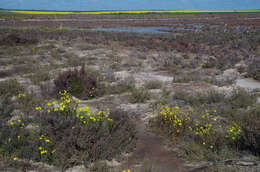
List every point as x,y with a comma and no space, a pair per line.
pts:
124,10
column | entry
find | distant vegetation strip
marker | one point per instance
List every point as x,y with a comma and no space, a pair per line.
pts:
130,12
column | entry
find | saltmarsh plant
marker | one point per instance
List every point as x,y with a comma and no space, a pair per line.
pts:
153,84
10,87
79,83
65,134
81,135
201,127
139,95
250,126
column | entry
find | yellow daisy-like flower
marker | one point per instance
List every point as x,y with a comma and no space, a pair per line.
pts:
38,108
15,158
44,152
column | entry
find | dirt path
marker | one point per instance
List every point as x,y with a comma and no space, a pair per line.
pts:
150,147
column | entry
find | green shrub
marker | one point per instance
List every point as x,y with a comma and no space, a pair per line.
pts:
10,87
153,85
6,108
121,87
199,99
240,98
250,126
139,95
39,76
253,68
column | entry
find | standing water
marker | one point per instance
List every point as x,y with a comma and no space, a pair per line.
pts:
248,83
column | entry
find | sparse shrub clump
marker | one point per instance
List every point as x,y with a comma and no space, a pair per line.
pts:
253,68
139,95
10,87
153,84
201,127
215,121
79,83
250,127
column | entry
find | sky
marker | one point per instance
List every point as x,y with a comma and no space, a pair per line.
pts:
95,5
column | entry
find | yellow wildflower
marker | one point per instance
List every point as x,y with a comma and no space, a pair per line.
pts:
44,152
38,108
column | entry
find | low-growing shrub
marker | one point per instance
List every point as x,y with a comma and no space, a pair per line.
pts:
139,95
253,68
80,83
238,98
6,108
121,87
153,84
39,76
199,99
10,87
241,98
67,134
201,127
250,126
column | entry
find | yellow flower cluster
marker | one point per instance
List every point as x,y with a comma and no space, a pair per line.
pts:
203,127
44,148
85,115
18,123
66,105
45,139
233,131
174,118
38,108
21,95
128,170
